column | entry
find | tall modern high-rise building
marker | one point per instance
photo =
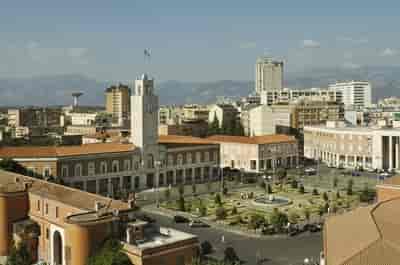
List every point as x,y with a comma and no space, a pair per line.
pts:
354,93
118,104
269,74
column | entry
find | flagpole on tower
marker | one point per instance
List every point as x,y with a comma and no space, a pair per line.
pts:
147,57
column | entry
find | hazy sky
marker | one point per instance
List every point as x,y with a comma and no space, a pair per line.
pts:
193,40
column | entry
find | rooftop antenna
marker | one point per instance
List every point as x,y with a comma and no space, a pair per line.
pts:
75,96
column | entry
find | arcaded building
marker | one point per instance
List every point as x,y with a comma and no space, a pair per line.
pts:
64,226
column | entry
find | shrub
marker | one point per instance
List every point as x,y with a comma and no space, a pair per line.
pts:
225,191
315,192
278,219
293,217
256,220
220,213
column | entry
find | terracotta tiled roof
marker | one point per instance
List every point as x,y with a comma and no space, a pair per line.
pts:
366,236
60,151
179,139
76,198
265,139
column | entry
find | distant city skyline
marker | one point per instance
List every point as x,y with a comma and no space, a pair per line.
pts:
196,41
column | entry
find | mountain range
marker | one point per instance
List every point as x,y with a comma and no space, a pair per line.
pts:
56,90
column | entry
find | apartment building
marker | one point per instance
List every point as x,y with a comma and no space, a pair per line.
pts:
269,75
354,93
118,104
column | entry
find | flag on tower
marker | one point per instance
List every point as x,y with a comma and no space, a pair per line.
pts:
147,53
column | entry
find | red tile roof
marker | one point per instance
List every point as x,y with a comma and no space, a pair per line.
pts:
264,139
60,151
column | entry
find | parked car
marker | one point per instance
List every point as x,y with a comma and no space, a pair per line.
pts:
180,219
310,171
197,223
146,218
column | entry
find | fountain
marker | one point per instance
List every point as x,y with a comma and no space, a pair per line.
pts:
271,200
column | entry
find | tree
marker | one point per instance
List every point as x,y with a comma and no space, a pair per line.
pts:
167,194
307,214
278,219
269,189
19,255
367,195
335,182
181,190
263,185
181,203
230,256
301,189
110,254
350,187
326,207
294,184
220,213
325,196
217,199
194,189
205,248
234,210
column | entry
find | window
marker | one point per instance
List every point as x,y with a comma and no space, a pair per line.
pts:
127,165
253,164
38,206
46,209
46,172
170,160
78,170
115,166
91,169
198,157
103,167
206,156
64,171
180,159
189,158
47,234
150,161
56,211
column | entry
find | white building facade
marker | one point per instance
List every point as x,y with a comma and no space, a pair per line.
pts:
354,147
354,93
269,74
